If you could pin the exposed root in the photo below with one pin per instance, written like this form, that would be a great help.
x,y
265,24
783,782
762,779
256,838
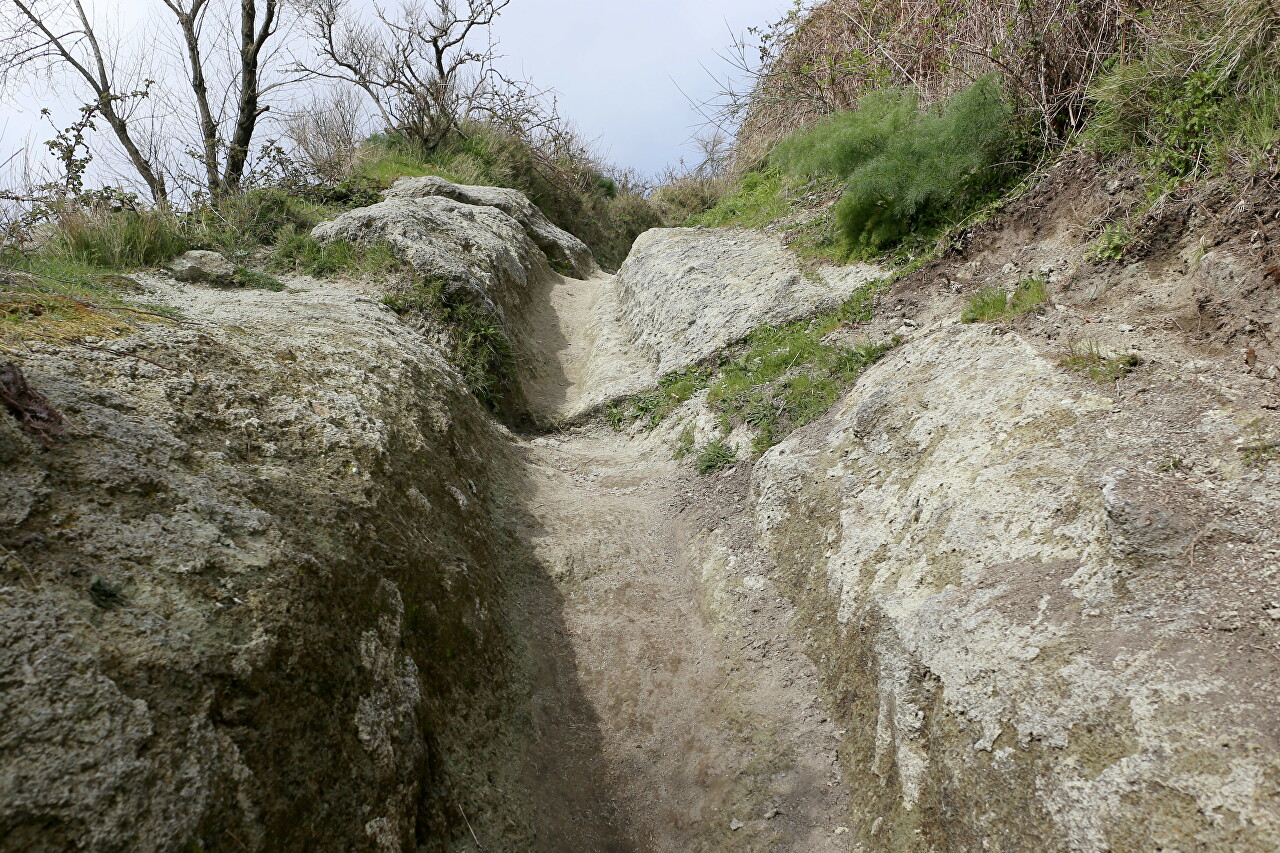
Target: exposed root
x,y
32,409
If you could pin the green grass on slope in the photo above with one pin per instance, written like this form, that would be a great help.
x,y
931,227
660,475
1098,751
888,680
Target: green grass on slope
x,y
779,379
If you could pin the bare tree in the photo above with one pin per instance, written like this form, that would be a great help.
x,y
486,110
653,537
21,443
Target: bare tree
x,y
48,35
254,34
225,64
419,68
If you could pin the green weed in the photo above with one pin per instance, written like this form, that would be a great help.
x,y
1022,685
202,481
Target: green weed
x,y
1103,369
992,303
715,456
1111,244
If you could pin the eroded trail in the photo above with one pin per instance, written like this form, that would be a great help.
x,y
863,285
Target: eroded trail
x,y
712,731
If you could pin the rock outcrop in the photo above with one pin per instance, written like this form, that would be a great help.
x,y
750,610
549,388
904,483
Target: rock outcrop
x,y
262,597
1035,639
203,267
687,293
568,255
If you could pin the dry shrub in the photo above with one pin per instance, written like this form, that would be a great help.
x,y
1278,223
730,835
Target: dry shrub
x,y
821,60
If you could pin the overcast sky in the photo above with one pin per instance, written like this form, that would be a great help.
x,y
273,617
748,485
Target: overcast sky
x,y
619,67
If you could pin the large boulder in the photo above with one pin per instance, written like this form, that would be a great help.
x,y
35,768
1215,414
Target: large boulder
x,y
685,293
1036,635
568,255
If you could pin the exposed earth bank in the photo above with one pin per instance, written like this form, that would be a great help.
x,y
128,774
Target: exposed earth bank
x,y
288,586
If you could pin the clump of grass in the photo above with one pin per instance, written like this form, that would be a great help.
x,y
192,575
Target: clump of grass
x,y
988,303
992,303
1103,369
257,280
715,456
117,239
758,199
300,252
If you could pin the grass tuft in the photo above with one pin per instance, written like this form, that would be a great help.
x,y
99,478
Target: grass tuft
x,y
1103,369
716,456
992,303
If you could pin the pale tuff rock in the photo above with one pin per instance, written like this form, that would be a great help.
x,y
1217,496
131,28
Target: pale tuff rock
x,y
205,593
988,570
477,254
203,267
685,293
567,254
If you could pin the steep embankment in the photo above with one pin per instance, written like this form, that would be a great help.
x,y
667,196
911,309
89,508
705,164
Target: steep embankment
x,y
302,591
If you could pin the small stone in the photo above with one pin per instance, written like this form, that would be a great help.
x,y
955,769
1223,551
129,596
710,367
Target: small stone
x,y
203,267
1274,613
841,830
736,824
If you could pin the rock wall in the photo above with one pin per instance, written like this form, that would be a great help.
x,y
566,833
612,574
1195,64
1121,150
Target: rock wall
x,y
265,596
1036,637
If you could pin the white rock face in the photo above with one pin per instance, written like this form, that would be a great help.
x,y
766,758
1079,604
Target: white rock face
x,y
685,293
994,578
477,253
567,253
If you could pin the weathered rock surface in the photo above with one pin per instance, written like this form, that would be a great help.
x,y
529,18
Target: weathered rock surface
x,y
266,601
478,254
1035,639
682,295
567,254
685,293
203,267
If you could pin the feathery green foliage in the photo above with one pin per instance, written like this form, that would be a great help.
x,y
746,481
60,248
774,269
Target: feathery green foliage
x,y
909,169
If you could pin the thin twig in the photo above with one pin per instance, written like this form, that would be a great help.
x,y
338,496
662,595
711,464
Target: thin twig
x,y
473,832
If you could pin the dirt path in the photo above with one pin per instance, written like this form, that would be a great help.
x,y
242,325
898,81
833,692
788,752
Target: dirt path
x,y
710,725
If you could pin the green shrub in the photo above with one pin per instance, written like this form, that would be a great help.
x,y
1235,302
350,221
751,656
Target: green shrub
x,y
716,456
908,169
